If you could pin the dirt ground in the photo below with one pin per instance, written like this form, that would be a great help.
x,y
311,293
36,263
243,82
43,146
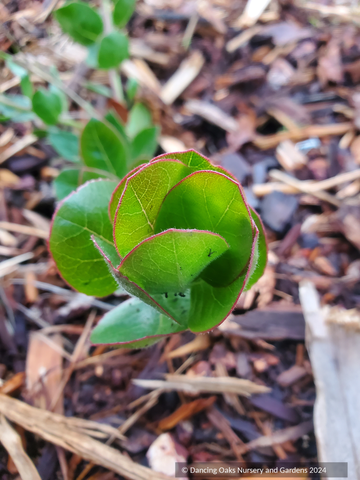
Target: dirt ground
x,y
274,97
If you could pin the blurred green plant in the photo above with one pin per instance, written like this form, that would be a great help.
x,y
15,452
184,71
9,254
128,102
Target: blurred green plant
x,y
105,148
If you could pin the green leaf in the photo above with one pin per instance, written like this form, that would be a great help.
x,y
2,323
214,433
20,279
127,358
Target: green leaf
x,y
123,11
194,161
114,48
16,108
25,83
26,86
141,201
115,198
211,201
71,178
144,144
174,306
47,106
170,261
65,144
260,253
113,118
16,69
80,21
78,217
139,119
211,305
99,88
57,91
102,148
133,320
131,88
92,56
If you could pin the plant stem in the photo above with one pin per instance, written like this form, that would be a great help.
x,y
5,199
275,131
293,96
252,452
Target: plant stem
x,y
116,85
68,122
114,75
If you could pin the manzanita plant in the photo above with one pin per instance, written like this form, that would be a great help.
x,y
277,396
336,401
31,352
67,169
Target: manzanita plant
x,y
177,234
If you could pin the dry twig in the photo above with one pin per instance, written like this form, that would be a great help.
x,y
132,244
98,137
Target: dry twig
x,y
54,429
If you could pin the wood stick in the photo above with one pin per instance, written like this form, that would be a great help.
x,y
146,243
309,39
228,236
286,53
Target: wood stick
x,y
334,181
303,186
22,143
13,445
189,69
52,428
204,384
270,141
26,230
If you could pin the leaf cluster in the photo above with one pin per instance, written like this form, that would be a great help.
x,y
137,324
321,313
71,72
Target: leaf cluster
x,y
177,234
85,25
107,149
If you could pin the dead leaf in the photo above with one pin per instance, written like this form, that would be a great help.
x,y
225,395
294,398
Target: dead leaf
x,y
13,384
186,411
44,370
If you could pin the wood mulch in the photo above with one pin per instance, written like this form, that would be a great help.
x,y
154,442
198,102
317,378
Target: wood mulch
x,y
273,97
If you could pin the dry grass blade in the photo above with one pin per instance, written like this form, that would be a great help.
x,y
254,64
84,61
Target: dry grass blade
x,y
8,266
13,82
48,8
12,443
343,11
17,227
271,141
152,401
141,72
200,342
280,436
186,73
262,189
37,220
220,422
54,429
304,187
212,114
230,398
243,38
24,142
78,351
253,11
218,385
